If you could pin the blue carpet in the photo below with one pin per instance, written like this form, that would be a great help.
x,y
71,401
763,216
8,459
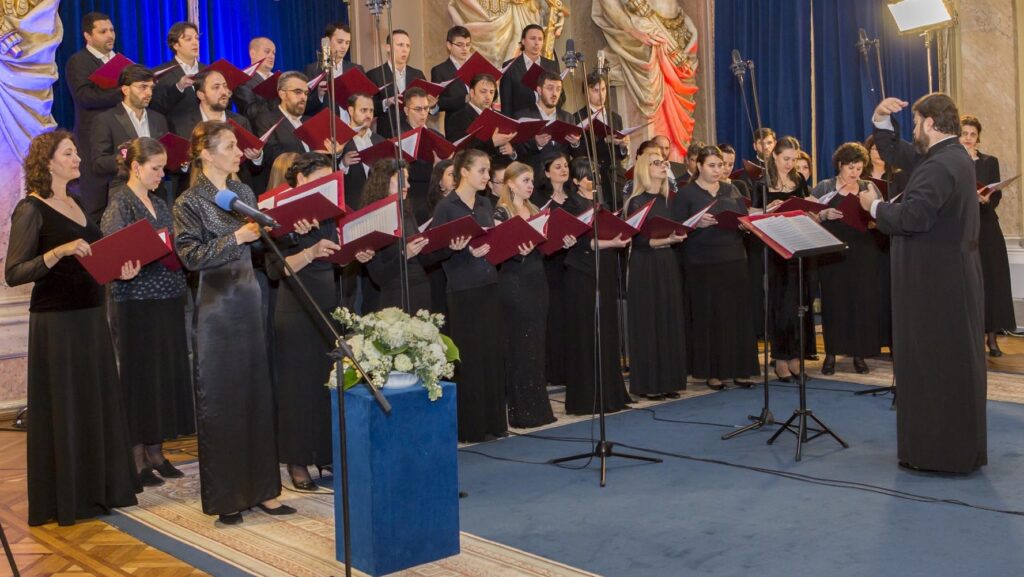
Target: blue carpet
x,y
685,517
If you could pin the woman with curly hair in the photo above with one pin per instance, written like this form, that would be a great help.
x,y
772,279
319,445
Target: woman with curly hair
x,y
79,453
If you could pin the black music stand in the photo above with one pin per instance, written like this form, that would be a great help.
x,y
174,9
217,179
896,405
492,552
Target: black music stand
x,y
796,235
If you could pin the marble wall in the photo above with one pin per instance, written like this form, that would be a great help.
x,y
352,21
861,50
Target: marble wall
x,y
13,301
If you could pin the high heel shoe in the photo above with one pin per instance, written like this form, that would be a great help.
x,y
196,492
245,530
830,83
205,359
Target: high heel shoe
x,y
860,366
829,366
168,471
276,511
995,352
306,485
148,479
780,378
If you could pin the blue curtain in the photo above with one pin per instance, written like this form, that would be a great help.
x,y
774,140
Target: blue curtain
x,y
225,31
776,34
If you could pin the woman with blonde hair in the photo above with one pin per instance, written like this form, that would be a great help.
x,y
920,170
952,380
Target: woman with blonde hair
x,y
279,171
654,285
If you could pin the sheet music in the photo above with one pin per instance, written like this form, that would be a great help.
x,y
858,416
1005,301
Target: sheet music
x,y
410,144
267,203
587,217
328,189
539,222
828,197
637,219
426,225
384,219
693,220
628,131
796,233
990,188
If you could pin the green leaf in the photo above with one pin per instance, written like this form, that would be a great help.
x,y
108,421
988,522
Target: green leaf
x,y
451,353
351,378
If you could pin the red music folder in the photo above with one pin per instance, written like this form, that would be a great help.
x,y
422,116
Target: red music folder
x,y
490,122
609,226
988,189
559,130
232,74
754,171
441,236
658,227
505,239
353,81
318,129
882,186
728,219
381,150
248,140
601,129
107,76
423,144
177,151
268,88
321,199
853,213
171,261
432,88
532,75
372,227
476,65
797,203
527,129
267,199
135,242
555,225
792,234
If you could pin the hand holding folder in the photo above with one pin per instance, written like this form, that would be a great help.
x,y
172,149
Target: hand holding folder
x,y
555,225
315,131
373,227
108,75
321,199
506,238
135,242
441,236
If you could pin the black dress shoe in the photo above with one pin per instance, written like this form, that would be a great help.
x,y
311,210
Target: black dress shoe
x,y
148,479
168,471
672,395
307,485
232,519
829,366
744,384
860,366
995,352
715,387
276,511
654,397
781,379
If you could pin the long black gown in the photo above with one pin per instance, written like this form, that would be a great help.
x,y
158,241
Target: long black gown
x,y
580,291
897,181
383,271
784,295
995,263
234,402
722,341
554,270
301,345
657,341
79,454
938,313
850,296
524,303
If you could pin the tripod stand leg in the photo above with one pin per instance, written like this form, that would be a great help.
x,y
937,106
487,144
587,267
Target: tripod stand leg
x,y
801,435
785,427
10,554
825,429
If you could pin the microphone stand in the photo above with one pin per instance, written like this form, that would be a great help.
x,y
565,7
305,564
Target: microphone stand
x,y
394,118
339,354
604,448
327,64
765,418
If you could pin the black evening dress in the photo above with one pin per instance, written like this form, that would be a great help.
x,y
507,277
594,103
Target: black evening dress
x,y
301,346
150,313
721,336
657,342
234,402
784,294
581,279
79,451
995,265
554,270
850,296
476,326
384,272
524,303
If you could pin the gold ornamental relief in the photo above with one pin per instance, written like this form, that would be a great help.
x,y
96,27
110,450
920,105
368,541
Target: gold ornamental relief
x,y
679,34
17,8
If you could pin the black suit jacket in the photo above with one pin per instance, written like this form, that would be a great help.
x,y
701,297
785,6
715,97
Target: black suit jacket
x,y
380,76
419,182
178,106
456,126
248,171
312,70
513,94
248,103
282,140
528,151
113,128
355,178
453,99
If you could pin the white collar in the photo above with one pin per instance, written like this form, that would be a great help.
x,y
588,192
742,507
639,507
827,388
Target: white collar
x,y
103,57
131,113
292,119
223,115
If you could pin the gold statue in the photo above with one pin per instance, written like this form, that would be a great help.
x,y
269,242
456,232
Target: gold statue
x,y
496,25
30,32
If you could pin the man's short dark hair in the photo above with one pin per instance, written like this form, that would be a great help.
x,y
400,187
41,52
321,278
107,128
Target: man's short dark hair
x,y
726,148
204,75
530,27
694,149
284,78
942,110
546,76
90,20
177,31
762,133
482,77
396,32
333,27
594,77
134,73
457,32
353,98
414,92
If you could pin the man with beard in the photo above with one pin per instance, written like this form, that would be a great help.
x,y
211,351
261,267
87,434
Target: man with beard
x,y
481,95
124,123
360,111
214,98
937,300
549,92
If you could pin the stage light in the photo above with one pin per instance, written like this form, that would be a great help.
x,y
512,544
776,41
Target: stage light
x,y
921,16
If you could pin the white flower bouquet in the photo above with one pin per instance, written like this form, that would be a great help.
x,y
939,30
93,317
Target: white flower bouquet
x,y
392,340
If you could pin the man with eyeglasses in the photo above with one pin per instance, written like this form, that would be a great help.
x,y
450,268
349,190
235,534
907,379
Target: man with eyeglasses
x,y
396,81
340,38
293,93
460,48
549,93
417,110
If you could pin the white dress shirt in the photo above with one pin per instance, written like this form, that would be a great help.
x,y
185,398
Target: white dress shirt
x,y
104,58
141,124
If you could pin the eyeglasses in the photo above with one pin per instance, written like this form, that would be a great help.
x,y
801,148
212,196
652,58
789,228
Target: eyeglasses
x,y
462,45
657,162
420,109
298,91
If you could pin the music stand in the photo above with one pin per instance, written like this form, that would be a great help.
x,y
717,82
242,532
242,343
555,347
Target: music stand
x,y
795,235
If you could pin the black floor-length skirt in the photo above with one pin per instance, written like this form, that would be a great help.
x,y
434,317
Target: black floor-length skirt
x,y
156,379
475,321
79,451
755,274
554,359
884,289
234,402
995,269
783,301
657,345
524,303
580,389
850,298
721,337
303,400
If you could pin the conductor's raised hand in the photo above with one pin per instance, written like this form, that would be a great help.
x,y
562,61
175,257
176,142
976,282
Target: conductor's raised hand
x,y
888,107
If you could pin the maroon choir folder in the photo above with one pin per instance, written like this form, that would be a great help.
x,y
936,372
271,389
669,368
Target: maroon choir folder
x,y
985,190
882,186
232,74
268,88
107,76
135,242
527,129
441,236
657,227
559,130
248,140
728,219
381,150
431,88
853,213
476,65
353,81
171,261
372,227
754,171
318,129
423,144
177,151
505,239
609,226
797,203
321,199
490,122
556,225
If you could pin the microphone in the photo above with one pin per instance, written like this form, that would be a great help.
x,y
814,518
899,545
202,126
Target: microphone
x,y
863,43
571,57
325,54
738,66
229,201
601,62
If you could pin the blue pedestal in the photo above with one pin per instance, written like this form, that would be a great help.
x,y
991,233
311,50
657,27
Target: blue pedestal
x,y
403,479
